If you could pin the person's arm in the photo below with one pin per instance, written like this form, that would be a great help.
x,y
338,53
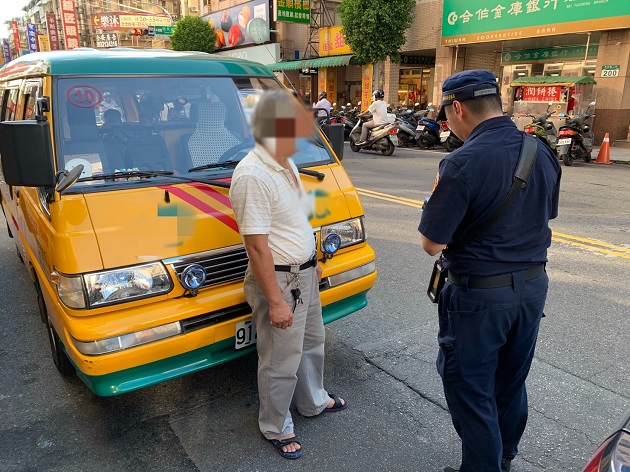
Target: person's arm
x,y
261,263
430,247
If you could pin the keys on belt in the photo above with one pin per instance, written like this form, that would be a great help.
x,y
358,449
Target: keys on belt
x,y
296,268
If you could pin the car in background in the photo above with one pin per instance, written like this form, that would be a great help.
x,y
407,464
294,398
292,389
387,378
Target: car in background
x,y
614,453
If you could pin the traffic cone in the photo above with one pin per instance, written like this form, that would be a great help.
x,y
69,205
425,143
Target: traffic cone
x,y
603,156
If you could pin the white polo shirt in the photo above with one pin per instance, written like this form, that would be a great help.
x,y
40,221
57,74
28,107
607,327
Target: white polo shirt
x,y
266,200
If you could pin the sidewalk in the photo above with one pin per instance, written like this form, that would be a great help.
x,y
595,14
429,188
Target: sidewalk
x,y
618,155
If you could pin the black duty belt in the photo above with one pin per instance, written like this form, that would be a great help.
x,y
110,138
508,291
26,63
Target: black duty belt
x,y
496,281
296,268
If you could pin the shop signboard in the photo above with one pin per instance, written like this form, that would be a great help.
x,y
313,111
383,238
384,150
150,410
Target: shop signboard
x,y
264,54
417,60
6,49
70,27
478,21
31,35
367,77
610,71
292,11
321,80
16,37
546,54
106,40
53,31
116,21
239,25
542,94
43,43
332,42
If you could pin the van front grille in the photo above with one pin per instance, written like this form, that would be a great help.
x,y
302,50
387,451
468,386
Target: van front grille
x,y
221,265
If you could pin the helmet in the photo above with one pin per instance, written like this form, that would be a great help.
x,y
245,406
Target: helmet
x,y
379,94
322,94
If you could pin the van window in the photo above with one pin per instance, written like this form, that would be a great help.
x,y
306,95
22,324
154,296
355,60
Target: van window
x,y
10,104
32,91
159,124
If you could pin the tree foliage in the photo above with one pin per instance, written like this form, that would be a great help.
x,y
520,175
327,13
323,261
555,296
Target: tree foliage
x,y
191,33
375,29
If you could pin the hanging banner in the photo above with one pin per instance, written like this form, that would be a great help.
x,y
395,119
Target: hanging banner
x,y
367,77
321,81
53,32
240,25
292,11
16,37
69,20
542,94
332,42
43,44
478,21
331,84
31,34
6,50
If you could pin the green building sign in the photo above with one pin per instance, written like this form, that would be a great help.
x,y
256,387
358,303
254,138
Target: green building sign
x,y
478,21
546,54
294,11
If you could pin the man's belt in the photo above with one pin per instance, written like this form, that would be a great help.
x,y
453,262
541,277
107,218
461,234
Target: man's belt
x,y
496,281
296,267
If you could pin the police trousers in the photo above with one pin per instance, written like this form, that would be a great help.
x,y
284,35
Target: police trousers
x,y
291,360
486,343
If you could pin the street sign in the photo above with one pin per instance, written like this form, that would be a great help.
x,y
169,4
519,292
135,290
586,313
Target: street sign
x,y
151,30
610,71
167,30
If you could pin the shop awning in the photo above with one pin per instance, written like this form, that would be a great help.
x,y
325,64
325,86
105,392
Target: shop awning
x,y
566,80
330,61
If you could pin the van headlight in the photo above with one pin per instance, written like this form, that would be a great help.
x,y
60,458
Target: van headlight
x,y
112,286
342,234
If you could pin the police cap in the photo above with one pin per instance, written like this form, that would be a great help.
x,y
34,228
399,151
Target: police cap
x,y
467,85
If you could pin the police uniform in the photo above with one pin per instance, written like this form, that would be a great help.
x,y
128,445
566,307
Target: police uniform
x,y
492,303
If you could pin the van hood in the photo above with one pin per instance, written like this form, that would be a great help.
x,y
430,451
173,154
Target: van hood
x,y
156,223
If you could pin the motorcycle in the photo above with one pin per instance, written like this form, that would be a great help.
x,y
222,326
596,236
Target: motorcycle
x,y
349,115
575,138
544,129
383,138
448,139
427,132
406,128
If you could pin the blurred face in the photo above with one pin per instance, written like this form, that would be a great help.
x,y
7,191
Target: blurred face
x,y
286,123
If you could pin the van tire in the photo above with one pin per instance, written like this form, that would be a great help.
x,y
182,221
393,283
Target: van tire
x,y
63,364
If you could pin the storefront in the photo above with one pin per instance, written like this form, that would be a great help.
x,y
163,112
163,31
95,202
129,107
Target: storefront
x,y
416,80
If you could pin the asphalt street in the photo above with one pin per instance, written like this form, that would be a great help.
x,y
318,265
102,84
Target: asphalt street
x,y
381,359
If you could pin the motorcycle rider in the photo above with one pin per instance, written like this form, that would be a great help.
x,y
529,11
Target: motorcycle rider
x,y
323,103
378,108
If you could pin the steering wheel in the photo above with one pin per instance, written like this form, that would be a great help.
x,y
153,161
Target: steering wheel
x,y
234,149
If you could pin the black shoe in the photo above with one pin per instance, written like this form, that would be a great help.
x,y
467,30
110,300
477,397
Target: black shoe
x,y
506,465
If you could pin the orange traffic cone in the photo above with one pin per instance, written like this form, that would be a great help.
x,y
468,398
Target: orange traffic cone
x,y
603,156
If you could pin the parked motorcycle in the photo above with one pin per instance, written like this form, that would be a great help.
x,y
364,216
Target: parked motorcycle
x,y
428,130
383,138
575,138
406,128
544,129
349,115
448,139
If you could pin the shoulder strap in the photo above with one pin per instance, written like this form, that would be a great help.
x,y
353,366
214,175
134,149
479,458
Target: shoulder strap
x,y
526,160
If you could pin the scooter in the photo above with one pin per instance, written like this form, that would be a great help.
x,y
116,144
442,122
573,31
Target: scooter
x,y
383,138
575,138
428,130
406,129
544,129
349,119
448,139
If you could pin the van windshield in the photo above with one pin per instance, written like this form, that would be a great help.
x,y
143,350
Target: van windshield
x,y
161,124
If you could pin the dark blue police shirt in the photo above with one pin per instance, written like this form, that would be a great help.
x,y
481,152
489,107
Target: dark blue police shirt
x,y
473,181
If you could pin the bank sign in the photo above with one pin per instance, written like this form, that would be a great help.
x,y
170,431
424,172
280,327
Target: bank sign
x,y
479,21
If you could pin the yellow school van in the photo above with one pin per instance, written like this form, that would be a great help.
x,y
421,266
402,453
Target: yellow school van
x,y
116,167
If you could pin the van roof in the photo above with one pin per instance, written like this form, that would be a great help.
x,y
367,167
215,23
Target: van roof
x,y
116,61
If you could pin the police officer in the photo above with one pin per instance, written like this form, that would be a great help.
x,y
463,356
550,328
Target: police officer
x,y
492,303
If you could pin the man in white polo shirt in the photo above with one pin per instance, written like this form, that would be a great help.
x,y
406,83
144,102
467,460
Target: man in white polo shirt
x,y
281,282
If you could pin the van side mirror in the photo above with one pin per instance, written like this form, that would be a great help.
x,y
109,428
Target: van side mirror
x,y
27,157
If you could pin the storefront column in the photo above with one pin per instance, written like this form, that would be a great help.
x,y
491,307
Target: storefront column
x,y
613,93
392,79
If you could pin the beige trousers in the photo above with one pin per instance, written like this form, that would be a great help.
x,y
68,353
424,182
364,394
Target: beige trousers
x,y
290,361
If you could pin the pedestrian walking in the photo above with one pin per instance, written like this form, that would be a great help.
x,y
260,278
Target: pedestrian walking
x,y
282,279
492,302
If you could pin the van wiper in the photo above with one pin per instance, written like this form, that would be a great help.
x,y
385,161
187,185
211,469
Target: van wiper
x,y
312,173
127,174
153,173
226,164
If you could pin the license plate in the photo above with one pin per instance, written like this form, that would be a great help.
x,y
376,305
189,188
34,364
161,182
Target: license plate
x,y
563,141
245,334
445,134
420,128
